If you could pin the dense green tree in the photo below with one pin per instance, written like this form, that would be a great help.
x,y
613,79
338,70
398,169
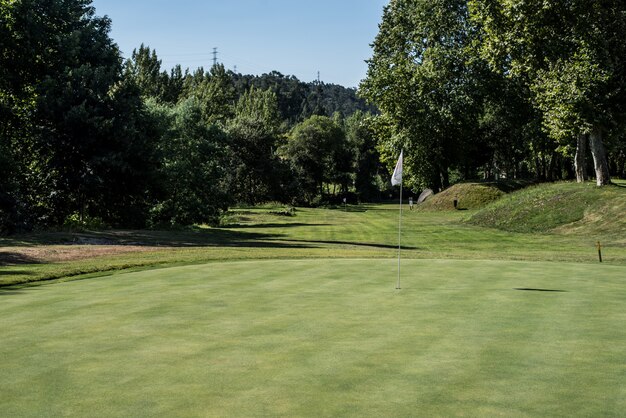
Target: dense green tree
x,y
313,150
362,143
216,93
193,175
74,111
290,92
572,55
254,133
174,83
24,37
426,83
511,128
61,65
298,100
144,67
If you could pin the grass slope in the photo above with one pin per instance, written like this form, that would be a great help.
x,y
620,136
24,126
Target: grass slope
x,y
470,195
569,206
310,338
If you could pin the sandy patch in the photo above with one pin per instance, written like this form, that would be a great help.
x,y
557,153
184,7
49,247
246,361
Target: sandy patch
x,y
53,253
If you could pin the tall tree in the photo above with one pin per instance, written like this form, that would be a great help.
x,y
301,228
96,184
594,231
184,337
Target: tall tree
x,y
61,66
193,159
74,108
425,82
144,67
366,159
254,132
312,150
216,93
572,55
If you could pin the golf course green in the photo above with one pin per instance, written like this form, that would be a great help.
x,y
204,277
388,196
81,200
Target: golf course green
x,y
320,338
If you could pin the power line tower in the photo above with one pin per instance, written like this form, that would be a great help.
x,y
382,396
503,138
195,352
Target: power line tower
x,y
214,56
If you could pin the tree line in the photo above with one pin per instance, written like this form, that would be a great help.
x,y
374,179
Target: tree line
x,y
88,137
484,88
468,88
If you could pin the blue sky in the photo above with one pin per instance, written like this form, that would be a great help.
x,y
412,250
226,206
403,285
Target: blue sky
x,y
295,37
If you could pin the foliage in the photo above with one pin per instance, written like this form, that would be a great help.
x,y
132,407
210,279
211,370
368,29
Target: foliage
x,y
362,142
298,100
75,222
570,54
491,89
427,86
254,132
315,150
193,175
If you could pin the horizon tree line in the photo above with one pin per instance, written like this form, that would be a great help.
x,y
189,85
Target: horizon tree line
x,y
463,87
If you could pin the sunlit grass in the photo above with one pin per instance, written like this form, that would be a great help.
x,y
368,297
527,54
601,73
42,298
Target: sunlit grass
x,y
365,231
311,338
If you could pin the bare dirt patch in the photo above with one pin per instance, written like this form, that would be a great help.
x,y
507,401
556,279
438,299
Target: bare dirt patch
x,y
55,253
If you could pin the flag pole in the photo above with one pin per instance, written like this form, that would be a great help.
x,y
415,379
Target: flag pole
x,y
399,236
396,179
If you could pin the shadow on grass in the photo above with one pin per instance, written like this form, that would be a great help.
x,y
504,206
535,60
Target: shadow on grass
x,y
529,289
271,225
8,292
15,272
229,236
10,258
181,238
355,209
358,244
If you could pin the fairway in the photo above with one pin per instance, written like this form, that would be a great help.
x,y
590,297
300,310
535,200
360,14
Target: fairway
x,y
320,338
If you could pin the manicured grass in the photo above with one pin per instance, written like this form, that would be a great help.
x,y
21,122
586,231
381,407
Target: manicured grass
x,y
313,338
365,231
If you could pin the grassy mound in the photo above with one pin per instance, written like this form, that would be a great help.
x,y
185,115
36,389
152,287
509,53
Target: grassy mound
x,y
470,195
566,207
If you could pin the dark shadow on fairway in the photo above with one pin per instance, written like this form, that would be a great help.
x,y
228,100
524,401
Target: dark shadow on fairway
x,y
14,272
175,238
8,258
529,289
271,225
9,292
358,244
235,236
357,209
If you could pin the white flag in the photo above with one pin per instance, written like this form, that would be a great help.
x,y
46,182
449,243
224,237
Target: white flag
x,y
396,178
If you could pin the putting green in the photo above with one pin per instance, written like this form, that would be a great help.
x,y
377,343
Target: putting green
x,y
320,338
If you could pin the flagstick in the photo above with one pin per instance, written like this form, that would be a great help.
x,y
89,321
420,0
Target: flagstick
x,y
399,235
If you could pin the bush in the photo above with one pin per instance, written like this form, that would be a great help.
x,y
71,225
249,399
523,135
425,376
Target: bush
x,y
73,222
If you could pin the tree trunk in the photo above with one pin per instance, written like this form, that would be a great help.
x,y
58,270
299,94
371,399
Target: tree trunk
x,y
599,158
580,159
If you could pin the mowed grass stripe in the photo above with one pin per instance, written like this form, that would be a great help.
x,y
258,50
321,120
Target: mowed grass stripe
x,y
320,338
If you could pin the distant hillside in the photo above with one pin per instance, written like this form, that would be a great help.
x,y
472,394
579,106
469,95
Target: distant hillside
x,y
563,207
298,100
470,195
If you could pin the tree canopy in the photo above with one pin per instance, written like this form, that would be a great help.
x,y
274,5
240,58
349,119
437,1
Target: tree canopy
x,y
468,88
